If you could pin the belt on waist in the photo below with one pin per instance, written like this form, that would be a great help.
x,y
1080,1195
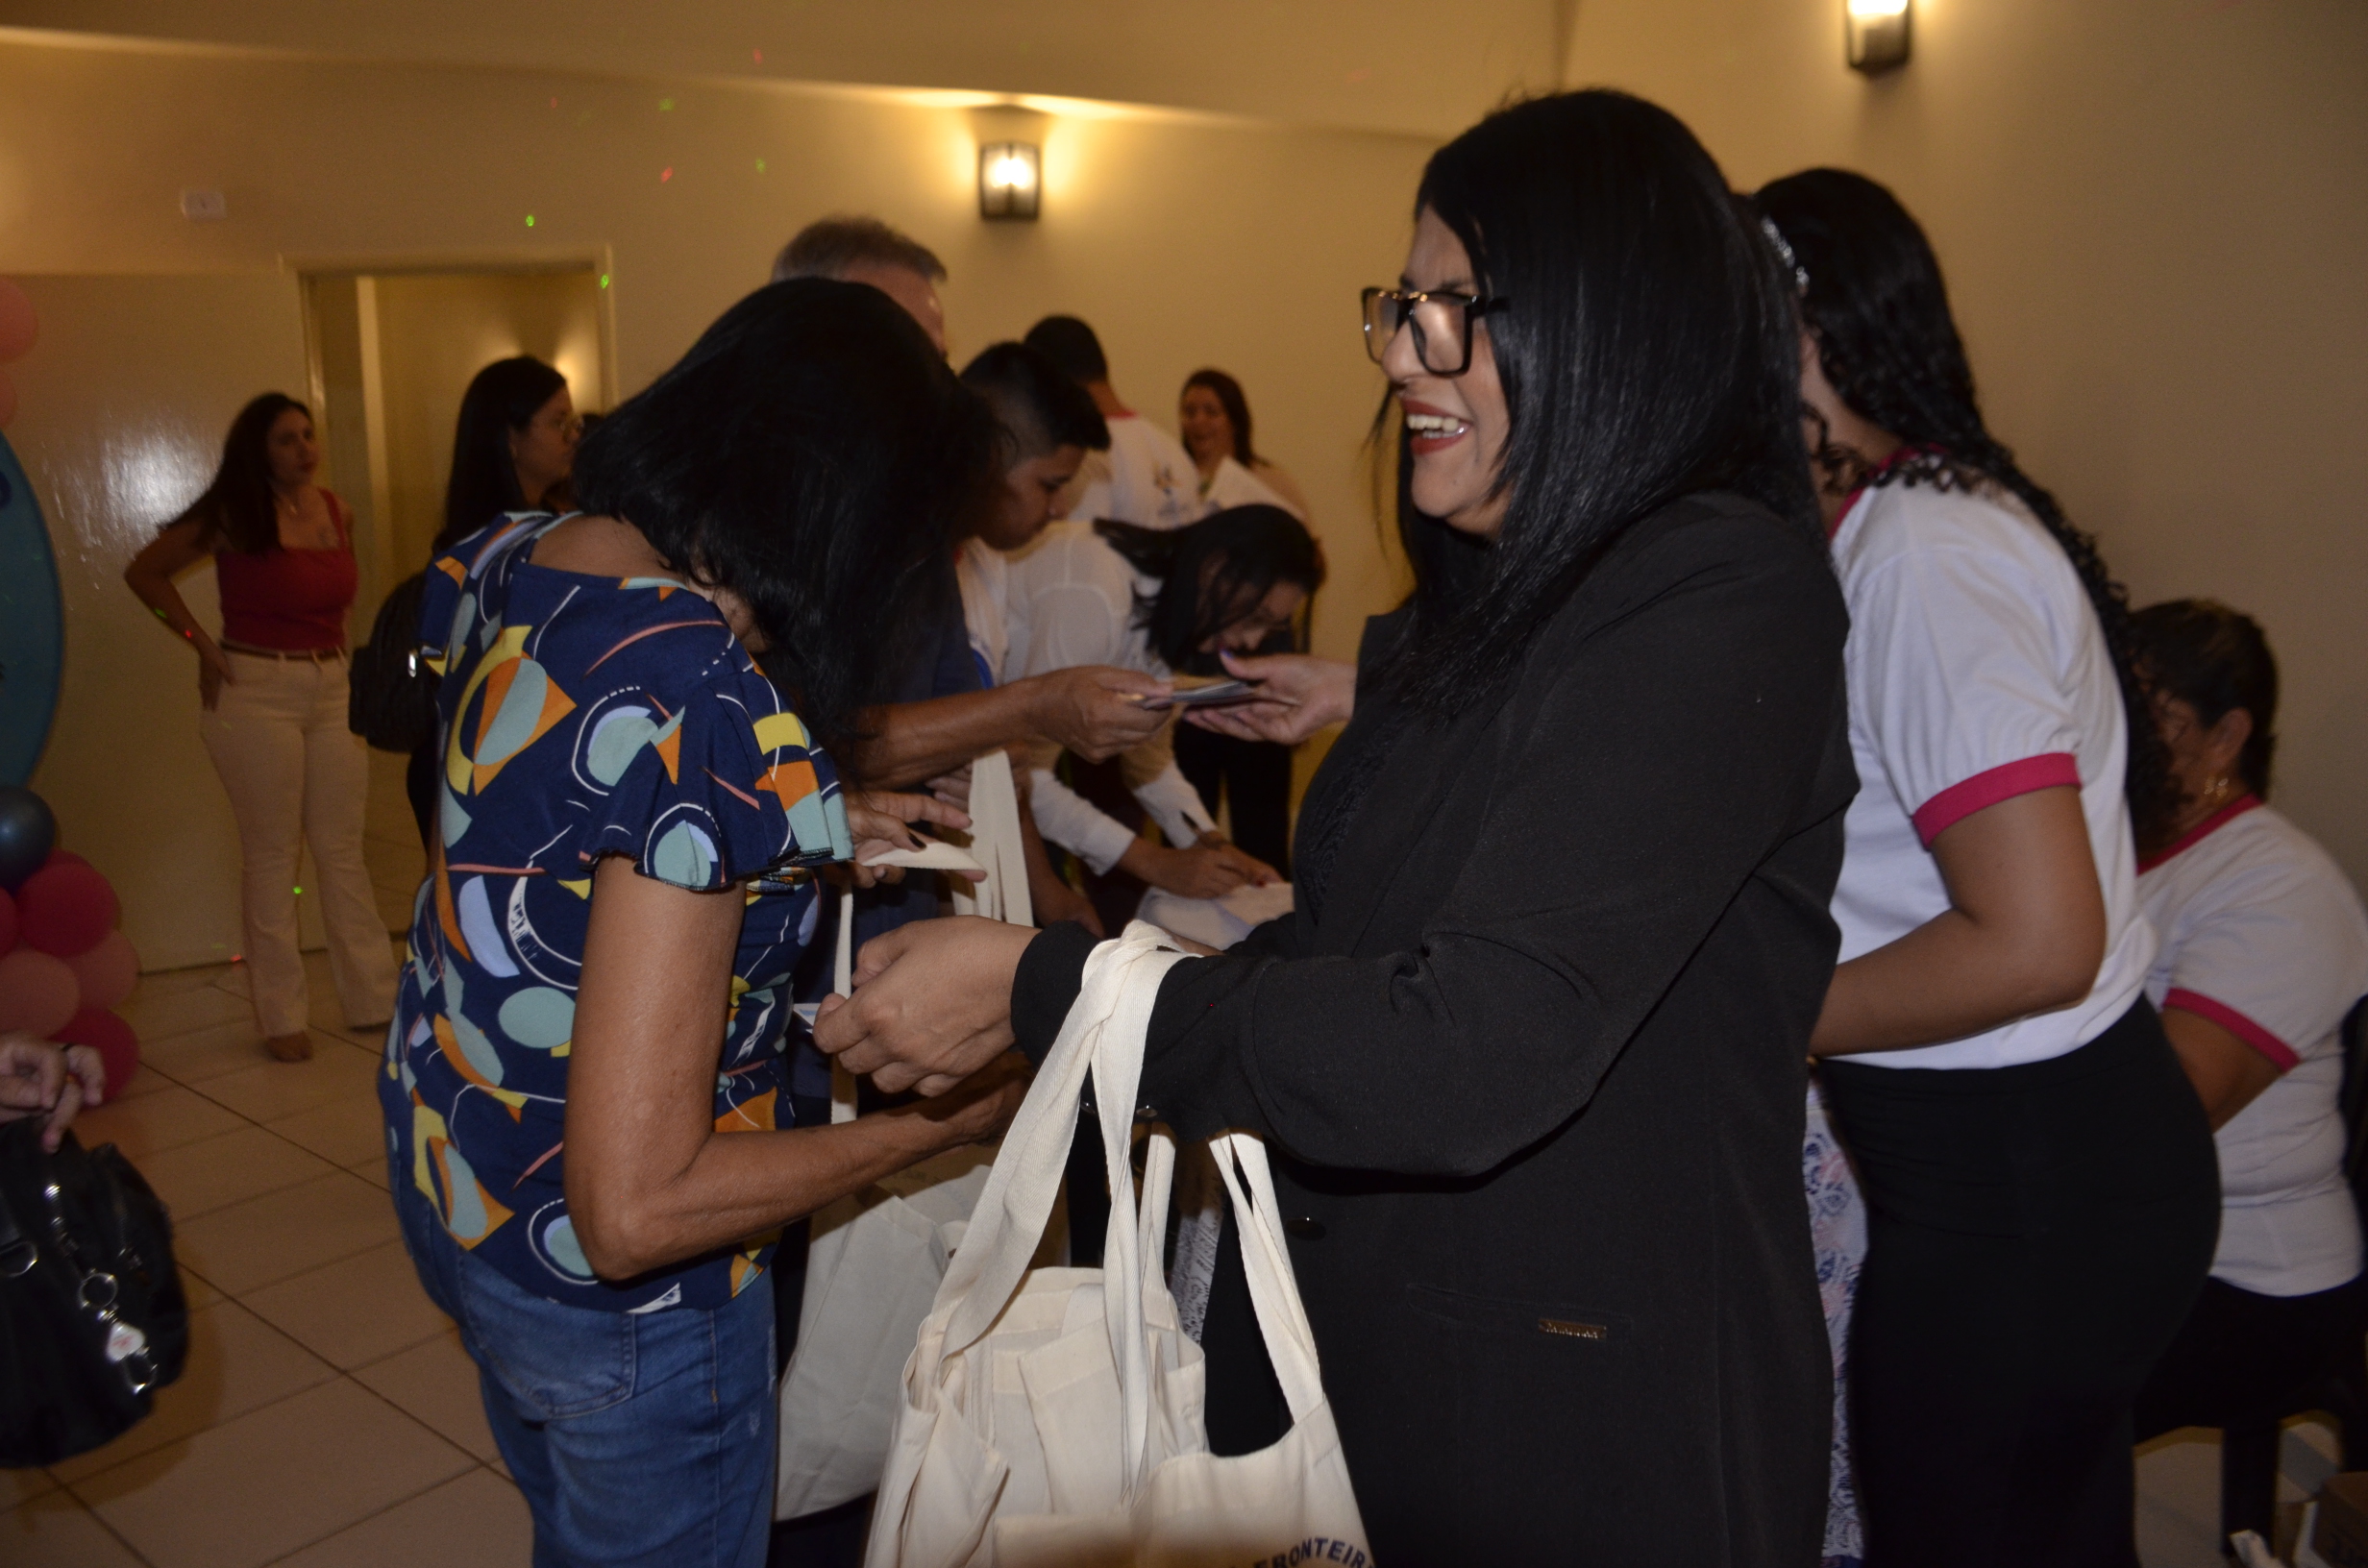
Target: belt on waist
x,y
309,656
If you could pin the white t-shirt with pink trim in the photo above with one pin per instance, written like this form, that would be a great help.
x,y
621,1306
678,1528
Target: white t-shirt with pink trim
x,y
2262,935
1977,672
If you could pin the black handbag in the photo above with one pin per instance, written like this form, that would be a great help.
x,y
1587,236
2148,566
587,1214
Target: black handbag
x,y
92,1316
391,700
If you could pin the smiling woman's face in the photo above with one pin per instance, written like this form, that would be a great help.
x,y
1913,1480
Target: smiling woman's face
x,y
1457,424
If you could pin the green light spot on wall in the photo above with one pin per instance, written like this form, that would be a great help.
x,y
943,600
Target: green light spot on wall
x,y
665,104
529,220
300,892
603,279
760,165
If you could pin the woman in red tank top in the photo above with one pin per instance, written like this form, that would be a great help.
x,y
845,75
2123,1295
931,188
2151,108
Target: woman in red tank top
x,y
273,689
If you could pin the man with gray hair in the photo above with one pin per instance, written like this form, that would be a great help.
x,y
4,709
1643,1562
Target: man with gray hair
x,y
857,249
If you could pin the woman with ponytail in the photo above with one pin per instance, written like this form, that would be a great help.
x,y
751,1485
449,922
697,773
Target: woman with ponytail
x,y
2039,1177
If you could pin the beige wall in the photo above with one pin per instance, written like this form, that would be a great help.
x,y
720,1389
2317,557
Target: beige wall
x,y
1371,65
2155,220
113,455
1186,239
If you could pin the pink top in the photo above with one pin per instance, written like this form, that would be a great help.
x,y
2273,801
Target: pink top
x,y
289,600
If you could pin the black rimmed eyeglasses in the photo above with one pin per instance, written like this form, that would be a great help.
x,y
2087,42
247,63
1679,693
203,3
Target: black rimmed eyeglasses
x,y
1440,320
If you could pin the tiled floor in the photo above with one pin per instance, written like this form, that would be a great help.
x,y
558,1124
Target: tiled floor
x,y
328,1417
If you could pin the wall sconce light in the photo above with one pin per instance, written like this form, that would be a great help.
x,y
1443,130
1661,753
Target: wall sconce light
x,y
1010,178
1878,32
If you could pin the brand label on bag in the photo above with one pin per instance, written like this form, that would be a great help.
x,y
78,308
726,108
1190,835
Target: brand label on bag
x,y
124,1341
1316,1549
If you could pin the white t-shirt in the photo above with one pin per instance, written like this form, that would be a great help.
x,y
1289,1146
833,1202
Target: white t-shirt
x,y
1977,672
1075,595
1145,477
984,575
2262,935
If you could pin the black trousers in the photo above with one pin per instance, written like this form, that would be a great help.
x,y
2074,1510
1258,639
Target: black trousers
x,y
2243,1357
1255,777
2035,1235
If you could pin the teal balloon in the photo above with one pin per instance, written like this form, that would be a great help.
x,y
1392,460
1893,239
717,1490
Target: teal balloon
x,y
31,625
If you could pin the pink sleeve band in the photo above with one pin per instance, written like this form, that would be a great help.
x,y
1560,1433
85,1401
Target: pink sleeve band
x,y
1961,800
2275,1051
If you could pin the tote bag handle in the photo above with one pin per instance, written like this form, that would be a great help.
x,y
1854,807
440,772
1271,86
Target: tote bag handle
x,y
1266,1258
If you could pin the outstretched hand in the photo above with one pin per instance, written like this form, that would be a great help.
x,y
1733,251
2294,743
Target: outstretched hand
x,y
1097,710
882,821
932,1004
1298,694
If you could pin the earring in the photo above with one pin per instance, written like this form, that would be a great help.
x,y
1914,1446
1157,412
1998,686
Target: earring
x,y
2218,791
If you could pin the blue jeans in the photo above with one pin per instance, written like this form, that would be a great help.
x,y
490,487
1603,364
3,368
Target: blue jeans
x,y
637,1439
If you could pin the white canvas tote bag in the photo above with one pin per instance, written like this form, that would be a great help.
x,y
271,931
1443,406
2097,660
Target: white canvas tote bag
x,y
1054,1415
876,1257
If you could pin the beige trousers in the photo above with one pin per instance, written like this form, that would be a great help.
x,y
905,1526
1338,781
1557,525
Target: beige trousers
x,y
296,775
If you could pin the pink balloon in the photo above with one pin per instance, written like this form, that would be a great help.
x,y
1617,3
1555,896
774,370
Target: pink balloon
x,y
106,972
18,325
37,992
118,1047
7,921
66,909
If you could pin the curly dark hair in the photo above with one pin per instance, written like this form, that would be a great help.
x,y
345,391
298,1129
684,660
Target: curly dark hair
x,y
2215,660
1879,310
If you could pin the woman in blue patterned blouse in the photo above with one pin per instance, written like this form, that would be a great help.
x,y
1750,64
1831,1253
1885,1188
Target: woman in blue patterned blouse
x,y
630,817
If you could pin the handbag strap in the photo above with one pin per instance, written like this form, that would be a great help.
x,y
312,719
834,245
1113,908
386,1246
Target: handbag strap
x,y
1266,1258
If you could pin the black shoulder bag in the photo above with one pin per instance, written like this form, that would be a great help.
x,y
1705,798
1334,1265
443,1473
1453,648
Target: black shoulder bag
x,y
92,1316
391,701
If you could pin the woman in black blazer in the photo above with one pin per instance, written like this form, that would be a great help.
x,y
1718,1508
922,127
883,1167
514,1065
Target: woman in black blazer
x,y
1530,1051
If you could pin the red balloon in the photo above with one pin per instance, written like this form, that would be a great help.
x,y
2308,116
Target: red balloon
x,y
8,398
7,921
118,1047
18,326
66,909
107,973
63,857
37,992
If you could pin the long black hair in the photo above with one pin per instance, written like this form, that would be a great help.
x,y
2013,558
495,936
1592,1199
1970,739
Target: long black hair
x,y
239,507
1647,351
814,454
1214,572
2215,660
502,399
1878,309
1229,397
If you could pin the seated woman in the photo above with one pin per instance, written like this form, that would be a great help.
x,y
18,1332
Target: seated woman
x,y
2264,951
628,818
1148,600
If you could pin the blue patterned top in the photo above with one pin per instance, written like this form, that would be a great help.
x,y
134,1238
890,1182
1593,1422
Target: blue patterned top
x,y
582,717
